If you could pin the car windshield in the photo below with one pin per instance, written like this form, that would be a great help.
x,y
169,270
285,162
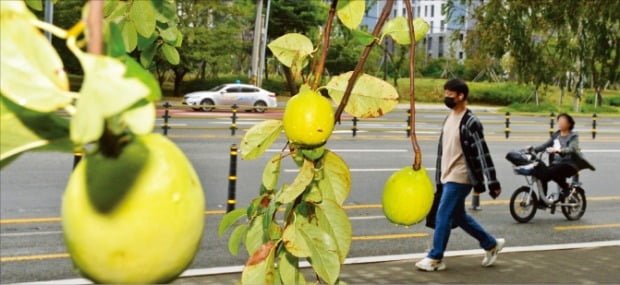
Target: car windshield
x,y
217,88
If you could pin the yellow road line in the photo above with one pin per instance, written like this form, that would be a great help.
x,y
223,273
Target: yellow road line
x,y
586,227
396,236
346,207
34,257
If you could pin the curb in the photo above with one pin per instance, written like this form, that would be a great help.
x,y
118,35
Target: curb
x,y
366,260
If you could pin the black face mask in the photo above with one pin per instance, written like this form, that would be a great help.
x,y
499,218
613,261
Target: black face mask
x,y
449,101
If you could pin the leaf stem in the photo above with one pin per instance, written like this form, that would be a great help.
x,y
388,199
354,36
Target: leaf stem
x,y
56,31
387,9
417,160
318,73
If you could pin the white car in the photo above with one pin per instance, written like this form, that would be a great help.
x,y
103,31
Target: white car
x,y
231,94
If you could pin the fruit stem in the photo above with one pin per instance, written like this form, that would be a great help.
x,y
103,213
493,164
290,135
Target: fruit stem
x,y
95,31
318,72
387,9
417,160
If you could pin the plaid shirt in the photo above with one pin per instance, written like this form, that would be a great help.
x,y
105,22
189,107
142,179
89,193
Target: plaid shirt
x,y
476,153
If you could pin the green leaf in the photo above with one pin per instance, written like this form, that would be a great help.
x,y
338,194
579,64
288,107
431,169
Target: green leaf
x,y
168,32
332,218
137,71
313,195
146,56
171,54
398,29
291,49
271,173
115,10
288,268
179,41
230,219
130,36
140,118
323,252
23,130
254,238
259,138
351,12
35,4
235,239
336,182
166,10
32,72
294,242
115,44
101,99
303,179
142,14
269,213
145,43
362,37
260,268
371,97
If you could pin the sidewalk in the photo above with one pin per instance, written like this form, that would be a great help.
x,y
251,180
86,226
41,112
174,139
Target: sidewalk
x,y
600,265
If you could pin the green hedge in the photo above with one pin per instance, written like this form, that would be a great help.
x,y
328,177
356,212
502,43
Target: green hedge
x,y
612,100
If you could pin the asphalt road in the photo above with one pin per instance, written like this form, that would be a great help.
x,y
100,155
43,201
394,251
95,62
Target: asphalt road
x,y
31,241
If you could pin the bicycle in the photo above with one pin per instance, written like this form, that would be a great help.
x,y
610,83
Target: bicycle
x,y
524,201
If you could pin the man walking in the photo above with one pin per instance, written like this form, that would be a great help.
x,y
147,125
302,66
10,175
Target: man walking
x,y
463,162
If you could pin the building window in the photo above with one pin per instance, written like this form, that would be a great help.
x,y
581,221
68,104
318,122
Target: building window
x,y
460,55
404,12
441,26
460,37
443,8
425,10
419,11
431,27
432,10
440,47
395,13
430,44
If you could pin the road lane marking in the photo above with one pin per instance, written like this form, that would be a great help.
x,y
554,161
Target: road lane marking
x,y
66,255
346,207
366,218
396,236
30,234
585,227
34,257
601,150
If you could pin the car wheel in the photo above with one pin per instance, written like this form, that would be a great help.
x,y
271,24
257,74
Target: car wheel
x,y
260,107
207,105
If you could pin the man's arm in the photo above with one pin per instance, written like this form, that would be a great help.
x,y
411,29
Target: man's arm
x,y
486,161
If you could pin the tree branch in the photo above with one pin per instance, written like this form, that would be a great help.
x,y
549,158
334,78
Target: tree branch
x,y
318,72
417,160
95,28
360,64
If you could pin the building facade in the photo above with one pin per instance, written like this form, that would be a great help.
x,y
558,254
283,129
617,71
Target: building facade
x,y
446,35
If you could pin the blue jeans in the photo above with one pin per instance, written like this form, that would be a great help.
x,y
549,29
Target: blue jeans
x,y
452,210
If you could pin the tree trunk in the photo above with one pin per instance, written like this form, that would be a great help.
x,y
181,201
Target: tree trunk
x,y
202,72
292,87
179,73
536,94
561,94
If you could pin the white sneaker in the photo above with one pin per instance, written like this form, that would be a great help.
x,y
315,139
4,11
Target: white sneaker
x,y
428,264
491,255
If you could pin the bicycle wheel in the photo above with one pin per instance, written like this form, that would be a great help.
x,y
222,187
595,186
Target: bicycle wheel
x,y
575,211
523,204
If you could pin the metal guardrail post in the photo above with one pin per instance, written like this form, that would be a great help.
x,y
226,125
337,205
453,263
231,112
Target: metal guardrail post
x,y
233,125
408,123
551,121
354,129
166,117
594,118
232,179
77,157
507,130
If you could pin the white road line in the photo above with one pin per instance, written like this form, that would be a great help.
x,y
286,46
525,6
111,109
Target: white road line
x,y
369,259
364,170
601,150
366,218
31,234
